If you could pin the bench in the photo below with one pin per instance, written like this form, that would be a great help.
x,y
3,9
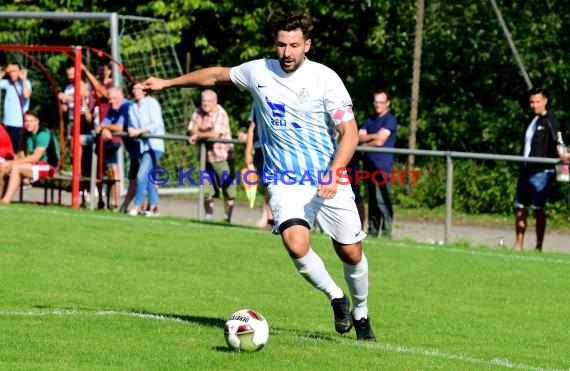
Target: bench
x,y
60,182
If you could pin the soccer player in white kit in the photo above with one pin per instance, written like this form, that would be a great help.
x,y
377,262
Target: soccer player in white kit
x,y
308,135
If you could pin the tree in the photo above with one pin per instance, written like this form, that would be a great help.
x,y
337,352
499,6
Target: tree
x,y
416,73
471,90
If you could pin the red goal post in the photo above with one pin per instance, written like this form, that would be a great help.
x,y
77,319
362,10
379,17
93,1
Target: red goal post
x,y
76,51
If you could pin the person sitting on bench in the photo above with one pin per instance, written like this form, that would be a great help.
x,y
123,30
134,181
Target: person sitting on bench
x,y
37,158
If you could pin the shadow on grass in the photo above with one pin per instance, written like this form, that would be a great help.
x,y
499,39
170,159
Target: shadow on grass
x,y
226,349
309,335
212,322
199,320
219,323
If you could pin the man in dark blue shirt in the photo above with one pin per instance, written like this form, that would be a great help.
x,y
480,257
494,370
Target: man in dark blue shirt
x,y
379,130
116,120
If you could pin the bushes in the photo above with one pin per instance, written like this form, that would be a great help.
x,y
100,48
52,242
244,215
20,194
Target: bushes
x,y
429,190
478,188
484,187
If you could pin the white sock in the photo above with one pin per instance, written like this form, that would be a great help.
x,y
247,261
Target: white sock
x,y
313,270
356,277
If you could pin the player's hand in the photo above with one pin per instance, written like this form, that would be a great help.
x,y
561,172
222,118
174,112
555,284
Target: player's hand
x,y
327,186
154,84
23,74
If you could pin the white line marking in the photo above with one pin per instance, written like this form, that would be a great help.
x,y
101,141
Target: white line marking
x,y
436,353
423,246
394,348
74,312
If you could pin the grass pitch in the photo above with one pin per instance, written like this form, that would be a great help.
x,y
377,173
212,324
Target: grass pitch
x,y
93,290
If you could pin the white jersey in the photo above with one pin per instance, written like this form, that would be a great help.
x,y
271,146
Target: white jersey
x,y
294,115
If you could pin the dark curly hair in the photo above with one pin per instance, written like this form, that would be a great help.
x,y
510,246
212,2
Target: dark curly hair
x,y
294,21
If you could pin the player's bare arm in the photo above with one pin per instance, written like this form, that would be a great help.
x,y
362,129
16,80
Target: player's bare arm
x,y
248,156
206,77
347,142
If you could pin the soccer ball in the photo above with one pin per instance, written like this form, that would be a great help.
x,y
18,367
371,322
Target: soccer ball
x,y
247,330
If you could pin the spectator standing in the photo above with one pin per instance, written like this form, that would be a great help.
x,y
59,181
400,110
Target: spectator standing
x,y
99,107
37,158
145,117
116,120
301,105
66,99
211,121
533,185
379,130
99,102
18,91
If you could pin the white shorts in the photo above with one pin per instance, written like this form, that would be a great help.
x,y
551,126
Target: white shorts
x,y
338,217
41,170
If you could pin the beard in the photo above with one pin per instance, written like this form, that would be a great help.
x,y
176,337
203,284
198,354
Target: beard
x,y
288,65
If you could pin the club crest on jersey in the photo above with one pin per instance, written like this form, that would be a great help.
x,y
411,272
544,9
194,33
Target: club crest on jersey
x,y
303,95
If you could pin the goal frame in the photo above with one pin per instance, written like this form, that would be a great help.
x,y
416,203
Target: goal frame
x,y
112,18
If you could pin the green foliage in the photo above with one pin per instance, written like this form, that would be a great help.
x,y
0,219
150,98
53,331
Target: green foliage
x,y
429,190
480,188
471,85
471,90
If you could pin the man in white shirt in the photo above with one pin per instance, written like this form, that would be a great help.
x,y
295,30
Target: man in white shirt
x,y
533,185
302,105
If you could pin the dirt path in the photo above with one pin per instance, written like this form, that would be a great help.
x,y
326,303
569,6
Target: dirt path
x,y
419,231
430,232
